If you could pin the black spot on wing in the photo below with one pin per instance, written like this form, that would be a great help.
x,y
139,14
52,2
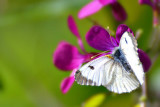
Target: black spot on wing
x,y
91,67
126,41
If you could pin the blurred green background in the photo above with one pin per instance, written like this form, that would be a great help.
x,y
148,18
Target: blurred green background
x,y
29,33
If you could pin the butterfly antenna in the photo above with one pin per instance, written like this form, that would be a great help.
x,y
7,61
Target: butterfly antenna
x,y
98,54
112,41
110,35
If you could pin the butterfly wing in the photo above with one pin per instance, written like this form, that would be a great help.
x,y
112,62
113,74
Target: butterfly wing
x,y
122,81
128,45
93,73
107,72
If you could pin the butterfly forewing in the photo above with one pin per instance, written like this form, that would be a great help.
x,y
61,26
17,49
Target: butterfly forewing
x,y
93,71
128,45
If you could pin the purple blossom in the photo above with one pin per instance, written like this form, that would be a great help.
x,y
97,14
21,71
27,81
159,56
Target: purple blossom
x,y
67,57
98,38
155,5
95,5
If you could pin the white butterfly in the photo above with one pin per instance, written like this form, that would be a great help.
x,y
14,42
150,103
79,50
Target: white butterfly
x,y
119,72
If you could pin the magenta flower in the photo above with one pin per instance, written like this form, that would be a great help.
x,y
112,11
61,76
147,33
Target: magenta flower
x,y
98,38
67,57
95,5
155,5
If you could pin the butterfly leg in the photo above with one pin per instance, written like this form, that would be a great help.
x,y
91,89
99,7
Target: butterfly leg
x,y
109,56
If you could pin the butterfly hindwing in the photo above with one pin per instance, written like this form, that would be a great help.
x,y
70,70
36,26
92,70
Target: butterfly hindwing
x,y
122,81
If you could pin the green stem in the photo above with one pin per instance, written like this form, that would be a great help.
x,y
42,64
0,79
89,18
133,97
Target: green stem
x,y
144,93
154,51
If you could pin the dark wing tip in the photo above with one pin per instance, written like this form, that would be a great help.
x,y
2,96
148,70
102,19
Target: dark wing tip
x,y
77,75
83,80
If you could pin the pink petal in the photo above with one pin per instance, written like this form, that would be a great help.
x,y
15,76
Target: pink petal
x,y
66,57
66,84
120,30
73,28
100,39
144,58
90,9
107,2
118,12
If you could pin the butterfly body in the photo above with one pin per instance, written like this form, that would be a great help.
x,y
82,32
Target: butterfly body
x,y
119,72
118,56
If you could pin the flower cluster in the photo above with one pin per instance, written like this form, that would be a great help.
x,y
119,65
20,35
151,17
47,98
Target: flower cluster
x,y
67,57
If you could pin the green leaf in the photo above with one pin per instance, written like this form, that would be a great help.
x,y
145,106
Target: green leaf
x,y
95,100
137,105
